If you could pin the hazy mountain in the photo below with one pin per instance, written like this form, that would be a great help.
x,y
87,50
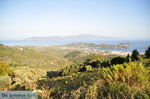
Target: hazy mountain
x,y
76,37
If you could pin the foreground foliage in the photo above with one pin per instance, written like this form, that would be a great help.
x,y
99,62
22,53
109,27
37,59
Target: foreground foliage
x,y
5,69
128,80
6,73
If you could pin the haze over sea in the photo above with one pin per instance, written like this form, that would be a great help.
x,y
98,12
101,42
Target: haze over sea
x,y
140,45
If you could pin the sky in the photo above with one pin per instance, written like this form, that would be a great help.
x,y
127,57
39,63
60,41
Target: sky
x,y
21,19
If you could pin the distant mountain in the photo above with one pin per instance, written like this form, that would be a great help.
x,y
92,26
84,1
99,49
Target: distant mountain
x,y
81,37
44,38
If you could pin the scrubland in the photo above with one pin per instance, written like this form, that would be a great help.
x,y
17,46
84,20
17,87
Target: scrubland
x,y
73,74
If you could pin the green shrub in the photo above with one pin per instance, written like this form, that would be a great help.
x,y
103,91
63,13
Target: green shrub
x,y
133,73
98,61
74,69
115,90
117,60
71,69
146,62
52,74
118,90
88,68
122,81
5,69
105,64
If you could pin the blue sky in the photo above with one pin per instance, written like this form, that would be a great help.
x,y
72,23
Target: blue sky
x,y
122,18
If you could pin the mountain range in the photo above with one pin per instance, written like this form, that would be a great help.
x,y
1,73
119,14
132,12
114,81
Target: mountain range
x,y
75,37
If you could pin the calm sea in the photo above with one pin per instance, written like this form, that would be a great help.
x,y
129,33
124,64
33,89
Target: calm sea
x,y
140,45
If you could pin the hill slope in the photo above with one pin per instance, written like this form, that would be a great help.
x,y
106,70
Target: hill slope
x,y
24,56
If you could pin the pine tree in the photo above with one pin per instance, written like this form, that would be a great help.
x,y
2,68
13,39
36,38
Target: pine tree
x,y
147,52
128,58
135,55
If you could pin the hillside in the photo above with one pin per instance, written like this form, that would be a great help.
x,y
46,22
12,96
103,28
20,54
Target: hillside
x,y
99,77
28,65
114,82
57,73
100,46
25,56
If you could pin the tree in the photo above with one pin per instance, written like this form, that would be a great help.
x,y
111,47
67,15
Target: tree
x,y
117,60
147,52
95,61
135,55
105,64
128,58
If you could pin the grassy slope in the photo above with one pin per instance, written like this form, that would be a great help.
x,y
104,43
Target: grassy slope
x,y
69,54
72,55
30,65
24,56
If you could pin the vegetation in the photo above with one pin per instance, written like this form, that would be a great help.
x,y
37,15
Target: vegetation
x,y
128,80
72,54
128,58
5,69
117,60
135,55
76,56
5,74
99,60
5,81
147,53
77,76
18,56
102,46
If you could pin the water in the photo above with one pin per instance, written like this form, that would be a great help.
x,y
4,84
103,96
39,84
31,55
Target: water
x,y
140,45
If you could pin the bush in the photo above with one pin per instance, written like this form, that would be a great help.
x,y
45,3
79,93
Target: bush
x,y
97,61
100,60
88,68
74,69
105,64
5,81
71,69
52,74
117,60
121,81
93,63
5,70
146,62
117,90
133,73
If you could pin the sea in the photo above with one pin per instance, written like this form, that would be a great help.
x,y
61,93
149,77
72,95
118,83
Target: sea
x,y
140,45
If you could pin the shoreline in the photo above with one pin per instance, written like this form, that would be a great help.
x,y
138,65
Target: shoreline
x,y
85,50
98,51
